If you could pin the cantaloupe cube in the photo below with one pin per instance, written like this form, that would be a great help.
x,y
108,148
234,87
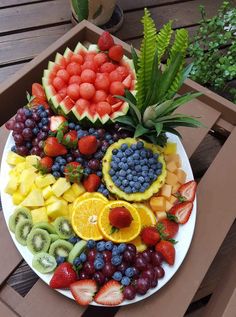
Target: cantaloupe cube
x,y
60,186
34,199
168,205
166,190
47,192
32,159
158,203
17,197
78,189
69,195
57,209
171,166
181,175
170,148
161,215
27,179
39,214
42,181
175,188
174,157
51,200
171,178
12,185
14,159
172,199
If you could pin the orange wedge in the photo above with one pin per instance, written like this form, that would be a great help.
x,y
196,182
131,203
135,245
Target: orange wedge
x,y
146,215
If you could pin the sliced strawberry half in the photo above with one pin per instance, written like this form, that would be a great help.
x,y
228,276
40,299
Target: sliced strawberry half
x,y
188,190
182,211
83,291
110,294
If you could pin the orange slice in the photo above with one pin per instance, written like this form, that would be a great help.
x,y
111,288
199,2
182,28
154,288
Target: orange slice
x,y
124,234
146,215
88,195
85,216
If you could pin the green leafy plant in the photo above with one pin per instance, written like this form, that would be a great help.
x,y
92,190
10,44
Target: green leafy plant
x,y
80,8
213,50
150,114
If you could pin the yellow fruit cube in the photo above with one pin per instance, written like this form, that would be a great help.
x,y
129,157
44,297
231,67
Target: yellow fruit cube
x,y
161,215
32,159
175,188
44,180
181,176
47,192
140,246
27,178
51,200
57,209
69,195
78,189
171,166
12,185
158,203
39,214
172,199
168,205
17,198
170,148
34,199
174,157
60,186
70,210
166,190
14,159
171,178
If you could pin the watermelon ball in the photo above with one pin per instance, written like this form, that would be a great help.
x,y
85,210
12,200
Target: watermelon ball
x,y
115,76
89,65
107,67
73,91
88,76
102,82
123,71
81,105
117,88
73,69
87,91
58,83
103,108
100,95
63,92
100,59
89,56
77,58
75,79
62,73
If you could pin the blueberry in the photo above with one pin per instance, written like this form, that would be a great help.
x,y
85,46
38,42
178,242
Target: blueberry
x,y
91,244
91,130
140,145
129,272
131,183
99,173
135,178
117,276
40,125
125,167
83,257
87,171
99,264
77,127
151,161
115,250
137,186
129,177
159,165
41,108
56,174
138,168
69,159
43,114
119,154
121,247
158,171
80,134
35,131
114,165
128,190
60,259
130,161
118,182
136,156
124,159
122,173
28,113
98,155
124,147
142,189
62,161
62,168
13,148
116,260
125,281
115,151
109,245
128,152
79,159
101,246
104,148
73,239
77,261
145,168
71,125
133,147
141,179
105,192
125,182
108,137
120,165
45,121
99,256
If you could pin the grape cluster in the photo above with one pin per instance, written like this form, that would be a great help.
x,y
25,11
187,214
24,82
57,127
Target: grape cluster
x,y
30,128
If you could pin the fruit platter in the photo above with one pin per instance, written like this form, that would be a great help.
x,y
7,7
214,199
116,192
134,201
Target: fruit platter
x,y
97,190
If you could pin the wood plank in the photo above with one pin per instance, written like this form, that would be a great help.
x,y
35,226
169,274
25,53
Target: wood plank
x,y
25,46
231,306
11,3
8,71
34,15
5,311
139,4
204,245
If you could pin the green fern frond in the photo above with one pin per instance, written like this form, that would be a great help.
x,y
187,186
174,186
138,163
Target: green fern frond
x,y
146,58
163,40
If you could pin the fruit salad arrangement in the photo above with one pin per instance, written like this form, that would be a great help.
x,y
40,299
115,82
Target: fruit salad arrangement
x,y
100,192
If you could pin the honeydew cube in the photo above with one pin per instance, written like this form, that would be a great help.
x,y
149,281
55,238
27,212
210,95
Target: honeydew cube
x,y
69,195
78,189
168,205
44,180
39,214
172,199
175,188
12,185
161,215
34,199
14,159
170,148
60,187
158,203
171,178
47,192
181,176
27,179
166,190
51,200
171,166
32,159
57,209
17,198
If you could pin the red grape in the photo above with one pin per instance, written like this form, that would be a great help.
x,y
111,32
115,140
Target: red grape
x,y
91,255
159,271
129,256
83,275
107,255
22,150
129,292
157,258
35,117
20,118
10,124
18,138
35,150
136,271
143,285
21,111
99,278
18,127
27,134
154,283
29,123
89,268
140,263
93,164
131,247
149,274
122,267
147,255
108,269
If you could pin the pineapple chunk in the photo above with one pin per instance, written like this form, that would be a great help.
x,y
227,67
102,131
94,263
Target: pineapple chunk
x,y
32,159
174,157
51,200
14,159
44,180
166,190
173,200
26,181
57,209
60,186
34,199
158,203
161,215
70,210
171,166
168,205
171,178
17,198
39,214
78,189
170,148
181,176
12,185
47,192
69,195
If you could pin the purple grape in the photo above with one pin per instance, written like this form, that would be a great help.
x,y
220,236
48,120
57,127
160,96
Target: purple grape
x,y
22,150
42,135
41,144
159,271
136,271
147,255
149,274
83,275
18,127
91,255
122,267
10,124
18,138
154,283
129,256
107,255
157,258
116,136
42,154
131,247
35,150
99,278
108,270
45,128
20,118
140,263
94,164
76,153
129,292
100,133
142,286
27,134
21,111
105,143
117,126
29,123
35,117
89,268
35,142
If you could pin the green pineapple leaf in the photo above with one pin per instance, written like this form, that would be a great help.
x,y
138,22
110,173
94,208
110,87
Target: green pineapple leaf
x,y
163,40
135,113
126,120
140,130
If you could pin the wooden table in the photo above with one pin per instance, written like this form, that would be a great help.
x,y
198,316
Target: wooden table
x,y
26,30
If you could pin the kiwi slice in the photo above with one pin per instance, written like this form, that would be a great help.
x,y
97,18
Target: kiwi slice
x,y
23,229
45,226
60,248
20,213
78,248
44,262
54,237
38,241
63,227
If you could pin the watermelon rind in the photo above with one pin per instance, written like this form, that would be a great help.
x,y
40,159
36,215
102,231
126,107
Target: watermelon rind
x,y
68,53
80,47
93,48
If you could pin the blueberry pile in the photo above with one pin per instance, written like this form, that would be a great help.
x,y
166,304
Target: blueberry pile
x,y
134,168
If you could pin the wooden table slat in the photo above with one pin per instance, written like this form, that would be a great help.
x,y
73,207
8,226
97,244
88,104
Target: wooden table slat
x,y
140,4
12,3
6,311
7,72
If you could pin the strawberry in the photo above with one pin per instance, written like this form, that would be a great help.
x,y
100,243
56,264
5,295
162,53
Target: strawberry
x,y
73,172
150,236
182,211
167,249
38,91
188,190
88,145
105,41
91,183
52,147
58,123
116,53
110,294
35,102
44,165
83,291
70,139
63,276
167,229
120,217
